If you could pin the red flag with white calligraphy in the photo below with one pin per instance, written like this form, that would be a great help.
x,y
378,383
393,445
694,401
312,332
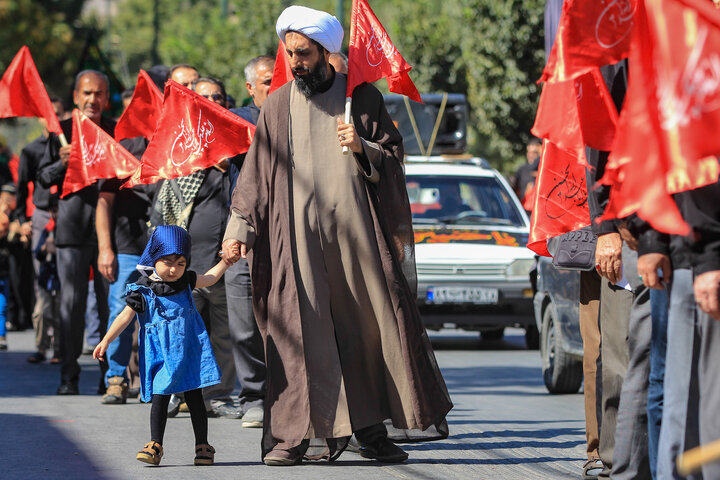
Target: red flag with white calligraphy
x,y
667,140
560,197
590,34
140,117
373,56
94,155
193,133
282,72
22,93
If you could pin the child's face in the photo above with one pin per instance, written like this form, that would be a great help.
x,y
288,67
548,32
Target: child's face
x,y
170,267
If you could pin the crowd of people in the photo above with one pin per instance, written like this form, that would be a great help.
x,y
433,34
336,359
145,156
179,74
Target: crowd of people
x,y
329,354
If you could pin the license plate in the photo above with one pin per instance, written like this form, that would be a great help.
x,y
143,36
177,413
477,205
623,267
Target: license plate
x,y
473,295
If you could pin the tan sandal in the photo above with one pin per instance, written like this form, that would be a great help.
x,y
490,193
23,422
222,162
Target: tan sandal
x,y
151,453
204,454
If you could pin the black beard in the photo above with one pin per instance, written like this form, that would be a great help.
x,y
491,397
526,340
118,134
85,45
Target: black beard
x,y
310,82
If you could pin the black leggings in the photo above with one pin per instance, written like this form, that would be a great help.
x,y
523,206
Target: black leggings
x,y
198,414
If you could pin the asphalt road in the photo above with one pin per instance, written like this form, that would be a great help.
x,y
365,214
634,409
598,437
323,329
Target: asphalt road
x,y
504,426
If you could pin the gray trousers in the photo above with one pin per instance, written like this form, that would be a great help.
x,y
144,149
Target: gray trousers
x,y
73,264
630,456
679,429
248,348
47,306
211,302
709,382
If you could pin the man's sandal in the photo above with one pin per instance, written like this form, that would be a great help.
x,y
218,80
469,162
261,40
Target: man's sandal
x,y
151,453
204,454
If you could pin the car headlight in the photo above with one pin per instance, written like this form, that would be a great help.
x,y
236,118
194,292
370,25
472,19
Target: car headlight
x,y
520,268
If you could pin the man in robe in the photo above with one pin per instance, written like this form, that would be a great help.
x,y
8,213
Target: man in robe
x,y
330,244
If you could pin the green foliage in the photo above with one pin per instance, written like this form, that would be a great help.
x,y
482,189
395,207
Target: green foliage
x,y
52,32
503,50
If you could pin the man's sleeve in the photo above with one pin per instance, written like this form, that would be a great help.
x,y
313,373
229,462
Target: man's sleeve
x,y
25,175
51,171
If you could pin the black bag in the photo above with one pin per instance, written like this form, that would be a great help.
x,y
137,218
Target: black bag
x,y
576,250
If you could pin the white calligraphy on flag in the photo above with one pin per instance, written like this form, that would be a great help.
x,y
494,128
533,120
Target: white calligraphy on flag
x,y
191,141
616,18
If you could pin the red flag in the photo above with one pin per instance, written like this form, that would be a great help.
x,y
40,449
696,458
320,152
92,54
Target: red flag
x,y
561,197
667,138
193,133
94,154
575,113
373,56
22,93
590,34
282,73
140,118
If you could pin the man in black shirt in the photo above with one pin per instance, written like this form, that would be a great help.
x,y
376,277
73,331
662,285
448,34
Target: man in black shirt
x,y
43,315
75,233
121,224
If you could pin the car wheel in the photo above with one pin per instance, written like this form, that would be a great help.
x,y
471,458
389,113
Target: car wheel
x,y
532,337
495,334
561,372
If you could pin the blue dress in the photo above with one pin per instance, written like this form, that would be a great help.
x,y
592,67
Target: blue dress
x,y
174,346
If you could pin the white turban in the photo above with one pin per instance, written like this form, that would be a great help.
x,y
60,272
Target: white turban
x,y
314,24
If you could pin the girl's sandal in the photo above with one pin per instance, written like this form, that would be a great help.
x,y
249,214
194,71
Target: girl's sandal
x,y
151,453
204,454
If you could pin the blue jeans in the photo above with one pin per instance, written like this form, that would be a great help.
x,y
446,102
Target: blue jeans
x,y
4,293
118,353
658,346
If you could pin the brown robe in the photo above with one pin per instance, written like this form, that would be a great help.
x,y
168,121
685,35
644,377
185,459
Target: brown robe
x,y
330,242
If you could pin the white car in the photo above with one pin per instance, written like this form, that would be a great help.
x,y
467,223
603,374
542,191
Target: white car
x,y
471,233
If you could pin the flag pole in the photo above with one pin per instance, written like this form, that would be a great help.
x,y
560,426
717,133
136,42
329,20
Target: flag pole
x,y
63,140
348,104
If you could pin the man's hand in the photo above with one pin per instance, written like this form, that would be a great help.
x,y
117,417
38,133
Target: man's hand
x,y
628,237
648,266
65,155
233,250
106,264
608,256
348,136
707,289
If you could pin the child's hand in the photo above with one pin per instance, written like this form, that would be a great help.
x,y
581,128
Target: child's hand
x,y
100,349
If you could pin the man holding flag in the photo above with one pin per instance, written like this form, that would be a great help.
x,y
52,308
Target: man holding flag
x,y
330,238
75,236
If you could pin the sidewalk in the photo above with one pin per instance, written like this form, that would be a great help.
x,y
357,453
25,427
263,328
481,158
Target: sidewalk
x,y
503,426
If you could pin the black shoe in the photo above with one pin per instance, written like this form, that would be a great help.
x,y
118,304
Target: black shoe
x,y
383,450
68,389
225,411
174,406
37,357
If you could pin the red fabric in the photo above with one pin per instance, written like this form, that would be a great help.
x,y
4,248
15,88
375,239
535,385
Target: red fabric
x,y
282,72
140,118
22,93
668,127
575,113
50,225
193,133
561,197
590,34
373,56
93,155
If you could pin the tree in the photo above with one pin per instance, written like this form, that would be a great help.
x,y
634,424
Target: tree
x,y
503,50
53,34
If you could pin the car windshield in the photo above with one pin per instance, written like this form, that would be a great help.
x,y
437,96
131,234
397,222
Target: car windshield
x,y
461,200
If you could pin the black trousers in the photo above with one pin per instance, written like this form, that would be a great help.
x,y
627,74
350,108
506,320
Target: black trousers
x,y
73,264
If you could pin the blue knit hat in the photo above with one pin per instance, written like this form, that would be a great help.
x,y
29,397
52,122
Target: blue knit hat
x,y
165,240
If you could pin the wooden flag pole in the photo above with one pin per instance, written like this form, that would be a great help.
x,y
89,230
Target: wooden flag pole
x,y
63,140
348,104
691,461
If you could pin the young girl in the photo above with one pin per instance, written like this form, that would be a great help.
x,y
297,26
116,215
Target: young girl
x,y
175,351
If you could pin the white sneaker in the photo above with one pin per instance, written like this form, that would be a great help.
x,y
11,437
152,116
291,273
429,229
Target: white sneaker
x,y
253,418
